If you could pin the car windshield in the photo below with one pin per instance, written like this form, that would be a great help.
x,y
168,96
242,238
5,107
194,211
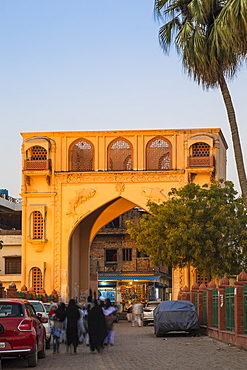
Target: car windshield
x,y
47,307
38,306
11,310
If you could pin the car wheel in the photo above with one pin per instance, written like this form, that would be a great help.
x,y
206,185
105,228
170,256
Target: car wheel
x,y
41,354
33,358
48,343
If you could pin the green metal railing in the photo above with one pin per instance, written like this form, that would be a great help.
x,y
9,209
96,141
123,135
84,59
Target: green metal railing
x,y
245,307
196,302
204,307
215,308
230,308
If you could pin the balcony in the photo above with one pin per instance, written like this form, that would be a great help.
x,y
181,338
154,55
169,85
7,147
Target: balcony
x,y
197,162
37,165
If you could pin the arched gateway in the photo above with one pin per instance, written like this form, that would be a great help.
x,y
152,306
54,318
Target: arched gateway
x,y
73,183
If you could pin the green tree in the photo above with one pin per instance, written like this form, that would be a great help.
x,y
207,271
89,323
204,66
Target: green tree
x,y
211,37
204,227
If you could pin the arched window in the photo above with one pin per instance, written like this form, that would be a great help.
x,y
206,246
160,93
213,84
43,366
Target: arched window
x,y
82,156
38,153
37,225
200,150
36,276
158,154
120,155
199,155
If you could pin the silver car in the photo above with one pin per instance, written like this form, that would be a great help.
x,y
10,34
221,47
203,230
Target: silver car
x,y
40,308
148,312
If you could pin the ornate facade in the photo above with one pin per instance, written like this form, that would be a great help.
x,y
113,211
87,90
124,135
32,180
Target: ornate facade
x,y
73,183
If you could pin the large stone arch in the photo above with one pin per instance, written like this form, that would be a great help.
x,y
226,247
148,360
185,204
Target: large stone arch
x,y
81,239
76,204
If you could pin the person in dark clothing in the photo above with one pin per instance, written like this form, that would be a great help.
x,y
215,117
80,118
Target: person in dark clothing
x,y
72,315
97,328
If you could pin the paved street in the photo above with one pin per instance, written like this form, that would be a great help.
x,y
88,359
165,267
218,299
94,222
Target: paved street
x,y
138,348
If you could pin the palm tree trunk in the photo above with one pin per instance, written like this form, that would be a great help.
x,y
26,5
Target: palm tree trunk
x,y
235,137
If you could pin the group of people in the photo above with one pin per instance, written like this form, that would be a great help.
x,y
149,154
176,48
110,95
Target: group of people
x,y
93,322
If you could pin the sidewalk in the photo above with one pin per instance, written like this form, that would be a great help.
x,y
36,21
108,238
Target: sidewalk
x,y
138,348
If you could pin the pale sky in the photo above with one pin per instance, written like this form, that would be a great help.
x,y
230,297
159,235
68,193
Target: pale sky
x,y
69,65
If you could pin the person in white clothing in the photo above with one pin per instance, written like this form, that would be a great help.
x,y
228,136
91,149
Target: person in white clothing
x,y
137,311
110,313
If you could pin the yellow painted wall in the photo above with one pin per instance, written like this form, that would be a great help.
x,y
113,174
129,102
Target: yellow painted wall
x,y
75,205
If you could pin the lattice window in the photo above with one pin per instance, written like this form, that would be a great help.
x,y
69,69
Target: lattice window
x,y
38,225
82,156
165,162
158,154
38,153
37,279
12,265
200,150
201,279
120,155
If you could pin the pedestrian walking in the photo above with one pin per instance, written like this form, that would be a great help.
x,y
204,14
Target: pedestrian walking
x,y
81,328
72,315
137,312
110,313
96,328
87,308
57,329
129,312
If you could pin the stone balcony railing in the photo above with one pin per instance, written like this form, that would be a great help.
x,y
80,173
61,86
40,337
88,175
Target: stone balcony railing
x,y
37,165
200,161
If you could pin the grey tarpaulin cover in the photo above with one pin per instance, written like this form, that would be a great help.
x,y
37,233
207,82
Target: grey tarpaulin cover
x,y
175,316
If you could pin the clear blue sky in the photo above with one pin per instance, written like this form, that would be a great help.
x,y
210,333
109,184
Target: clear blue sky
x,y
96,65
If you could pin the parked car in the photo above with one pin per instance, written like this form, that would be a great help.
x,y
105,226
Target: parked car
x,y
22,333
47,307
40,308
148,312
175,316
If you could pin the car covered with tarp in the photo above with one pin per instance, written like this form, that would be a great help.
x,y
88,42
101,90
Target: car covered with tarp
x,y
175,316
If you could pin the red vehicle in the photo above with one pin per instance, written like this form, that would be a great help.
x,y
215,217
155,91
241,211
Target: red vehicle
x,y
21,331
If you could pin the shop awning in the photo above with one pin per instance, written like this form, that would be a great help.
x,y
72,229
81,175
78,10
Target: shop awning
x,y
129,278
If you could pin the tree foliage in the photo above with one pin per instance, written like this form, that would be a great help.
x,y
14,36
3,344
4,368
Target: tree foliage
x,y
204,227
211,38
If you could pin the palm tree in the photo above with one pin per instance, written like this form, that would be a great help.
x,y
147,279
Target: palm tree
x,y
211,37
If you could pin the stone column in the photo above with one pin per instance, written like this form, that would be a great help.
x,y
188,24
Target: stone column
x,y
12,291
193,293
202,289
211,286
239,303
185,294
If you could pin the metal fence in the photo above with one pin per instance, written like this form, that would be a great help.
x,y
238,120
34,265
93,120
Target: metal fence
x,y
215,308
230,308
